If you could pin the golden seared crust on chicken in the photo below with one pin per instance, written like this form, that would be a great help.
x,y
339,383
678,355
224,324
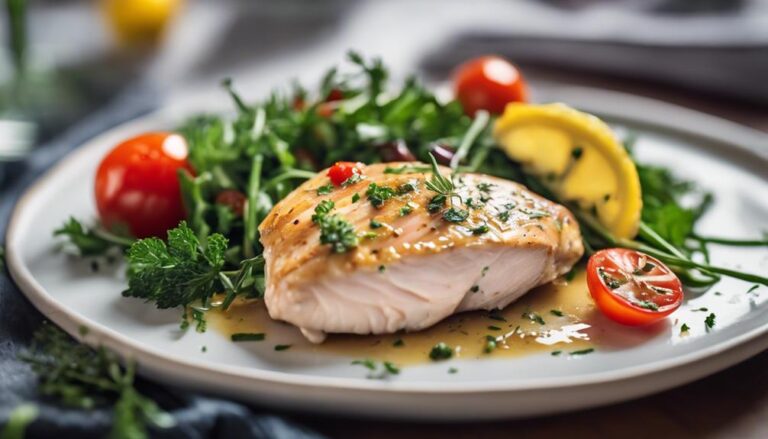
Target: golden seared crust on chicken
x,y
418,258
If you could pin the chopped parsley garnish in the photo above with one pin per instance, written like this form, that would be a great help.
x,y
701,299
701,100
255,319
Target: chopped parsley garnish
x,y
702,309
322,209
753,288
334,230
503,215
382,269
490,344
645,304
577,152
282,347
377,195
406,188
406,210
391,368
556,312
436,203
248,336
556,353
684,328
610,281
452,370
532,316
484,187
366,363
454,215
440,351
387,368
709,322
481,229
356,197
495,314
583,351
494,328
325,189
375,224
352,180
475,288
398,343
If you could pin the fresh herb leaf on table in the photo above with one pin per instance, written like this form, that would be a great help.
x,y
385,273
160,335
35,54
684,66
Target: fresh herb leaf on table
x,y
82,377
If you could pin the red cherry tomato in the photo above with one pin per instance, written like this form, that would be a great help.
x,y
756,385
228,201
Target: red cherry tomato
x,y
631,287
334,95
343,171
233,199
137,185
489,83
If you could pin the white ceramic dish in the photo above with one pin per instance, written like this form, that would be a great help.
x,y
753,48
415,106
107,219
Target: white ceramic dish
x,y
730,160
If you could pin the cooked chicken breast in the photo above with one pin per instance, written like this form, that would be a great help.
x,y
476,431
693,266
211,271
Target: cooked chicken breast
x,y
411,268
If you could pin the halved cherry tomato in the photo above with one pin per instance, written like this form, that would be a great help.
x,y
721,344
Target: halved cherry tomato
x,y
233,199
343,171
137,185
489,83
631,287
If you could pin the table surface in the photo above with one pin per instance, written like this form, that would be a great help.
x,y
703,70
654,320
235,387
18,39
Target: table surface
x,y
729,404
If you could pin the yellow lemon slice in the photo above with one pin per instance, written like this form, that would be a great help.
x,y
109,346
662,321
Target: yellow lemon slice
x,y
578,157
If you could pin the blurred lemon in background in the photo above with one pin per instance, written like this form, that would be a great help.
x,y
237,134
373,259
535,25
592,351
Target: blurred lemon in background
x,y
140,23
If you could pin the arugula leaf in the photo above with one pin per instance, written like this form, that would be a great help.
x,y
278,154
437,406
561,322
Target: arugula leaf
x,y
87,241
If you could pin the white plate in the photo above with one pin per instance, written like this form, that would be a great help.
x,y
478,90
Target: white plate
x,y
730,160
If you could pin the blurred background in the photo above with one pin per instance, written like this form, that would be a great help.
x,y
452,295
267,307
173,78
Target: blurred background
x,y
63,62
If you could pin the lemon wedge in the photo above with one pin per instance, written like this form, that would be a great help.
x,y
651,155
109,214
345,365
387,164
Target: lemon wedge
x,y
578,157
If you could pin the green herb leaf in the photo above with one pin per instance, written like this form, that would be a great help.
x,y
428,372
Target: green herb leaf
x,y
377,195
454,215
248,336
440,351
325,189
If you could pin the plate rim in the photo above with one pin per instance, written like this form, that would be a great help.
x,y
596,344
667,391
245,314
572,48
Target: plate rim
x,y
150,361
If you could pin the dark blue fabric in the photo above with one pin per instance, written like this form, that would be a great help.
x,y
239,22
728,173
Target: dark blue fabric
x,y
196,416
